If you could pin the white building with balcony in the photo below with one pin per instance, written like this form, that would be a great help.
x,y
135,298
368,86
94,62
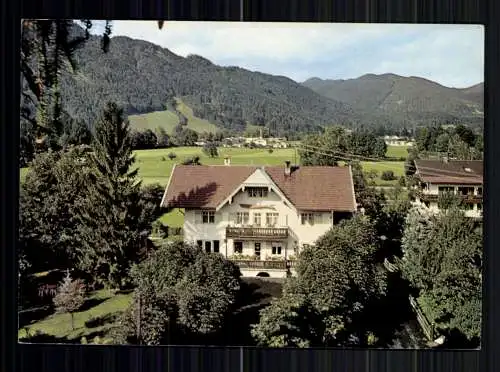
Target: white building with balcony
x,y
463,178
261,217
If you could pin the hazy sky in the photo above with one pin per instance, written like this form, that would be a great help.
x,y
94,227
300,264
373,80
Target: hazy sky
x,y
452,55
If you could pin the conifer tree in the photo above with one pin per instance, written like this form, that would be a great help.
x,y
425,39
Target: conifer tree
x,y
114,224
70,296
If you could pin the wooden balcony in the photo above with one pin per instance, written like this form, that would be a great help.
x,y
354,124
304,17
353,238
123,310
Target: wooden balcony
x,y
264,264
256,232
473,199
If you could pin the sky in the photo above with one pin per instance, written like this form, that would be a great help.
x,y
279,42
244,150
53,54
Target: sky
x,y
452,55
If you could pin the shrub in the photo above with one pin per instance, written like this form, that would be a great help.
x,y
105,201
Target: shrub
x,y
171,156
388,176
270,150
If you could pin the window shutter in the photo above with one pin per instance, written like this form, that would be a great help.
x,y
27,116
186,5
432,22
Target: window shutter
x,y
198,217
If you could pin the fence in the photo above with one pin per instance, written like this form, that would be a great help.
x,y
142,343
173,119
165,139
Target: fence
x,y
427,327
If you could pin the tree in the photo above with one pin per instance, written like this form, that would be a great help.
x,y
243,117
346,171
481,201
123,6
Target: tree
x,y
210,149
179,289
387,176
70,296
338,277
112,226
50,196
442,260
442,142
163,139
206,293
47,49
379,148
324,149
466,134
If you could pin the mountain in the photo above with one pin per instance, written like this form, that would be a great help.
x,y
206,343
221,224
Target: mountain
x,y
397,98
159,88
143,78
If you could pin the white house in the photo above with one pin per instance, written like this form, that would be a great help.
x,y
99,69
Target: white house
x,y
459,177
398,141
259,216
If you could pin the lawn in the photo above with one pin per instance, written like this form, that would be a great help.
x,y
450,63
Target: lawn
x,y
102,304
397,152
169,119
155,166
107,306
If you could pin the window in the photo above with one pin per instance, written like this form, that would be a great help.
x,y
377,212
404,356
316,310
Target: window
x,y
256,219
257,192
208,217
479,206
242,218
307,218
238,247
446,190
271,219
480,191
216,246
276,249
208,246
468,206
257,249
199,243
466,190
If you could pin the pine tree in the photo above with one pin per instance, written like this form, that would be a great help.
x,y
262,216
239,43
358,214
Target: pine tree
x,y
113,223
70,296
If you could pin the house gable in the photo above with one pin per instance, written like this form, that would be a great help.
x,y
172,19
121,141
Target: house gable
x,y
259,178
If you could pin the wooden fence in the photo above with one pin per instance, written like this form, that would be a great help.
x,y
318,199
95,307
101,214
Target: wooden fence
x,y
427,327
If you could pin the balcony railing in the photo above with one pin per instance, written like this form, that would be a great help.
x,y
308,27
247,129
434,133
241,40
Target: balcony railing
x,y
263,264
435,197
256,232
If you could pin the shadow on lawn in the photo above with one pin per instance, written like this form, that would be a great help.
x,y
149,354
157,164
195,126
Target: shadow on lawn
x,y
92,302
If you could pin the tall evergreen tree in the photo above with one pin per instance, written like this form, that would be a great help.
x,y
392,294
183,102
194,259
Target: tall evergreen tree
x,y
113,223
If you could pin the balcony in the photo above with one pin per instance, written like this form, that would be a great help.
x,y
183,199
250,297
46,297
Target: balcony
x,y
257,232
473,199
264,265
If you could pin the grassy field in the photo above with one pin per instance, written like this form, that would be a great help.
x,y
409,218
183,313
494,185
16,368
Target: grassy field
x,y
397,152
103,304
155,165
169,119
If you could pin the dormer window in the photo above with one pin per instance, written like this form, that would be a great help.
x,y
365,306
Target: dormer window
x,y
257,192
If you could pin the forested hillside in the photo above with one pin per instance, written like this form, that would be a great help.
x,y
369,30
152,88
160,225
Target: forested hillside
x,y
400,99
143,77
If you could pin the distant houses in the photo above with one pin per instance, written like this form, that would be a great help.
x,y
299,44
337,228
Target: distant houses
x,y
398,141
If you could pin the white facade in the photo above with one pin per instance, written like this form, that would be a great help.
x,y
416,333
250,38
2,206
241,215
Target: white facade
x,y
473,209
266,207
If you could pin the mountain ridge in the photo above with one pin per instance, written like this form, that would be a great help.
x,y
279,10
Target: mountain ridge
x,y
144,77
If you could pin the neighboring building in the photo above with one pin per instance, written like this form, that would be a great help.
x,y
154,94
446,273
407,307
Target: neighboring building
x,y
398,141
259,216
462,178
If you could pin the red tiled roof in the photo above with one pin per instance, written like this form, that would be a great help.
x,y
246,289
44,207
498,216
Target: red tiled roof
x,y
316,188
203,186
465,172
308,188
